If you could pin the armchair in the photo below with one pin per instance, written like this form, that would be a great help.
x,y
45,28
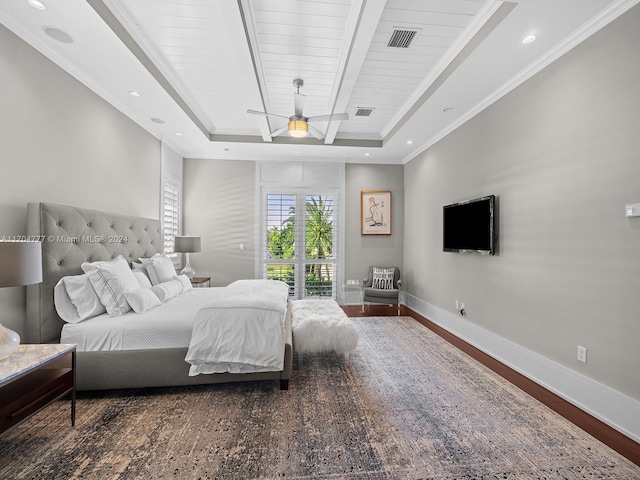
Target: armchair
x,y
388,294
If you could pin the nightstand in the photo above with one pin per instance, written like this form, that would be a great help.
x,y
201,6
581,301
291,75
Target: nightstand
x,y
201,282
34,376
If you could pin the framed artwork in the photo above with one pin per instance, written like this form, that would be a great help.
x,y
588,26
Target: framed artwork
x,y
375,212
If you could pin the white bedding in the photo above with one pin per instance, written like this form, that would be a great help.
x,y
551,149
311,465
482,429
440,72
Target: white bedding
x,y
237,329
167,326
249,314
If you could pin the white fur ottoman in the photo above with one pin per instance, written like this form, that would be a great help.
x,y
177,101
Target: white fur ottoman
x,y
322,326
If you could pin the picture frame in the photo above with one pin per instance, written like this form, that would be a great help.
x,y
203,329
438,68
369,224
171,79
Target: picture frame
x,y
375,212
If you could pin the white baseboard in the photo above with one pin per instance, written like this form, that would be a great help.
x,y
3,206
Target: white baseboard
x,y
610,406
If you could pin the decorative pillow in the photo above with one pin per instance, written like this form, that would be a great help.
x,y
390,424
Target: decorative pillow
x,y
142,299
166,290
185,282
76,300
160,268
382,278
111,280
142,279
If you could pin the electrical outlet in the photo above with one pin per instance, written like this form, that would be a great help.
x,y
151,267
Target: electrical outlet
x,y
582,354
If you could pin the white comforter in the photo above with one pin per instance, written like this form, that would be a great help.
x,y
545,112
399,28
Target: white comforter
x,y
241,330
166,326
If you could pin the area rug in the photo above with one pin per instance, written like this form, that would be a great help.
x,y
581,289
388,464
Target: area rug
x,y
404,405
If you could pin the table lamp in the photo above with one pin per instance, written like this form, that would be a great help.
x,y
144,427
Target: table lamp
x,y
187,244
20,264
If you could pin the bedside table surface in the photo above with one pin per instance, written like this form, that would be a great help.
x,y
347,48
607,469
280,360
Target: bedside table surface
x,y
200,279
29,357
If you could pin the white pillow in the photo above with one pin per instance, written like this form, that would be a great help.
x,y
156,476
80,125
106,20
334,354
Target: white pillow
x,y
185,282
166,290
142,299
159,268
76,300
111,280
139,267
142,279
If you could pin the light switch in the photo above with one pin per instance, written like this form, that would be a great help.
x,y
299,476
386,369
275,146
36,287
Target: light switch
x,y
632,210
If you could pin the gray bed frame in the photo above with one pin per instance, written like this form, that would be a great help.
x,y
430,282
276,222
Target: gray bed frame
x,y
71,236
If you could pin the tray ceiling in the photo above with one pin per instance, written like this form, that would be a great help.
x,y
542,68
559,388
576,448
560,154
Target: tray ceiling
x,y
405,71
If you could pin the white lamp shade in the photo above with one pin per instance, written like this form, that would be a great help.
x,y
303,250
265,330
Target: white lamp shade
x,y
20,263
187,244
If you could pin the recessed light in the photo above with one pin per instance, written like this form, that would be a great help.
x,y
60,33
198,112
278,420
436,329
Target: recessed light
x,y
37,4
367,154
409,142
447,109
58,34
179,134
529,39
133,93
159,121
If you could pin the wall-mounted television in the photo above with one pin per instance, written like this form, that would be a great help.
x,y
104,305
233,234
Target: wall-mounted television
x,y
469,226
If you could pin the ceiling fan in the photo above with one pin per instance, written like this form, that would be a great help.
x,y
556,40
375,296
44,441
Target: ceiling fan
x,y
298,125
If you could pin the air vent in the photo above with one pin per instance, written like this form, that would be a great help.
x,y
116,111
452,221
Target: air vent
x,y
364,111
401,38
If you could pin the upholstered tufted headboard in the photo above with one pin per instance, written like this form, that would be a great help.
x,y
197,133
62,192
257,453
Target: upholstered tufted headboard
x,y
71,236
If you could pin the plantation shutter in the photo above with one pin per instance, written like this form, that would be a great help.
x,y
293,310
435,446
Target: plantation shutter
x,y
301,227
321,244
170,217
300,244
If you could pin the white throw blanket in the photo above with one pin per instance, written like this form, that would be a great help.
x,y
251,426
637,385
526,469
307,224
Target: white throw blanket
x,y
322,326
242,330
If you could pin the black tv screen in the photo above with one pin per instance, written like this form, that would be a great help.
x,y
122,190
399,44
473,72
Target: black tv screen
x,y
468,227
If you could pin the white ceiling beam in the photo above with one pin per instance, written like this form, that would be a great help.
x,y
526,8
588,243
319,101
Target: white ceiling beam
x,y
239,34
487,19
363,21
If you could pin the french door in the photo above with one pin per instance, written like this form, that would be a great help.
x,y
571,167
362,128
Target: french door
x,y
300,241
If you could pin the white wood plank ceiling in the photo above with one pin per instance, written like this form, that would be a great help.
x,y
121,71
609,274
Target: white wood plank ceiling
x,y
226,57
199,65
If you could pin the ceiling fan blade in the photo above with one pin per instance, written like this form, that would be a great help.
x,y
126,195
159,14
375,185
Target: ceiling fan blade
x,y
298,100
265,114
280,131
326,118
315,132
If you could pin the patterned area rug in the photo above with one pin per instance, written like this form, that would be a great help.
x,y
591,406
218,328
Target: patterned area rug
x,y
405,405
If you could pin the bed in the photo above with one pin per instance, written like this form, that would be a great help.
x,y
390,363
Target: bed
x,y
72,236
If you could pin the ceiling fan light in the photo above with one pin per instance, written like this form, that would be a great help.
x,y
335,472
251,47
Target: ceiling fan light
x,y
298,128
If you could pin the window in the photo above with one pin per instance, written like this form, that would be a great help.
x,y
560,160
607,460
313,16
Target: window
x,y
170,217
300,242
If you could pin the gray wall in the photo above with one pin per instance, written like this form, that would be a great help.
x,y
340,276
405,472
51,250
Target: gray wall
x,y
61,143
219,198
562,153
220,205
364,250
